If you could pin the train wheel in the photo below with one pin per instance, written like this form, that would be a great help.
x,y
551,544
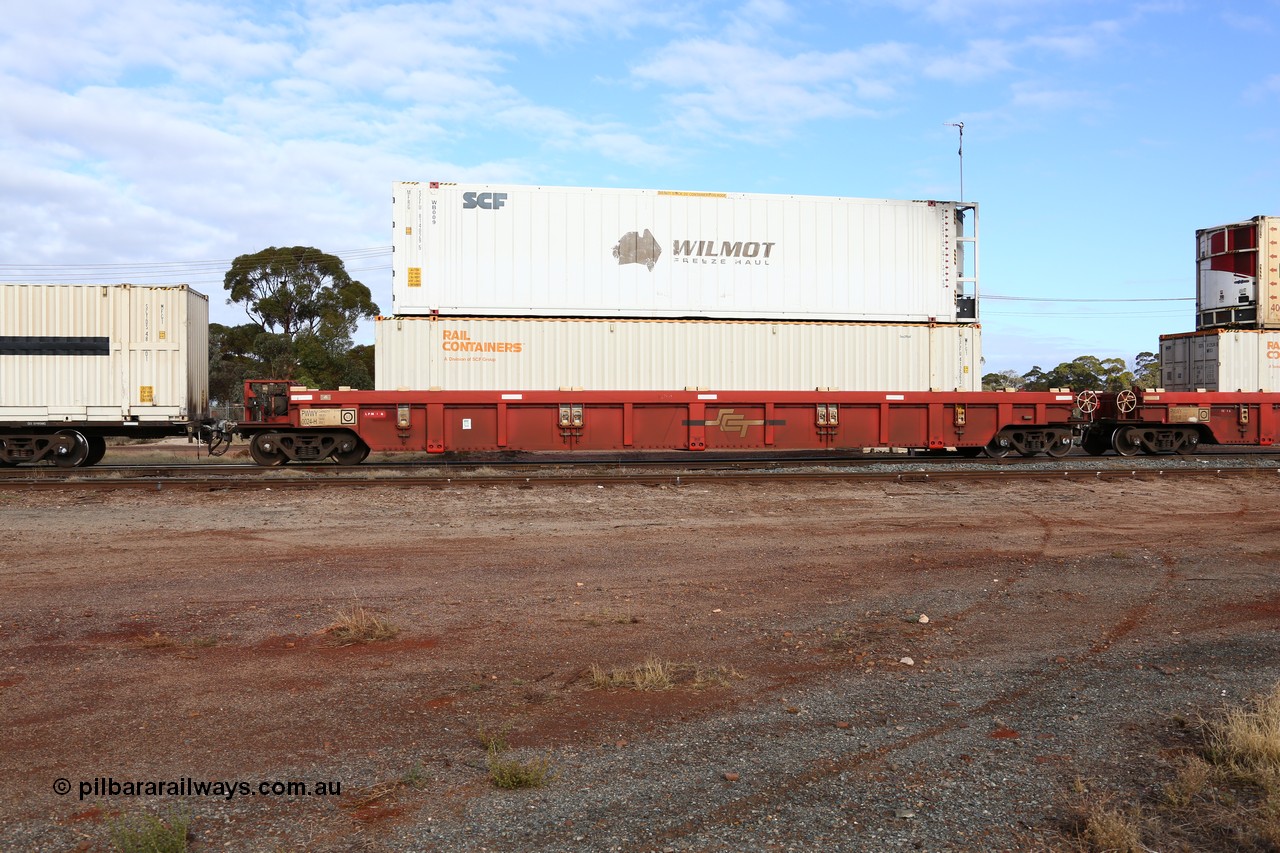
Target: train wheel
x,y
1189,444
77,455
1059,447
97,450
1095,443
264,452
1125,442
998,448
354,455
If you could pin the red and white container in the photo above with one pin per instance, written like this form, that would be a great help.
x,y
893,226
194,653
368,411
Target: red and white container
x,y
1238,275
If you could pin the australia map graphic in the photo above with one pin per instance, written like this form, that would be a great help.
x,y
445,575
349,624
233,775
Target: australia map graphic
x,y
636,248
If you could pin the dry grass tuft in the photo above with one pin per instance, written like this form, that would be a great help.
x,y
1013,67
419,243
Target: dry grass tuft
x,y
1193,778
657,674
1113,830
156,640
1246,742
653,674
1096,825
358,625
1224,793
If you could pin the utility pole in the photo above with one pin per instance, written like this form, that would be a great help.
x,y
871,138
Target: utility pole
x,y
959,125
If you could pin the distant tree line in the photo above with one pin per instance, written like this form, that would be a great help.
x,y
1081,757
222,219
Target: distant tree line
x,y
1085,372
305,308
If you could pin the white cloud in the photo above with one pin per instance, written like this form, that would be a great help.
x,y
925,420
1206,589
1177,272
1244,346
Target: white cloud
x,y
1033,96
1264,90
981,59
765,92
1248,23
991,14
1080,42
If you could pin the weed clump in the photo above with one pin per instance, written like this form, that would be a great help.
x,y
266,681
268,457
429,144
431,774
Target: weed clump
x,y
511,773
150,833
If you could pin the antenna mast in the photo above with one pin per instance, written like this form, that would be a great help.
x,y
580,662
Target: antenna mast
x,y
959,125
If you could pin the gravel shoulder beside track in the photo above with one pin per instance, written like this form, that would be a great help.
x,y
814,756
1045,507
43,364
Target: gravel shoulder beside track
x,y
180,635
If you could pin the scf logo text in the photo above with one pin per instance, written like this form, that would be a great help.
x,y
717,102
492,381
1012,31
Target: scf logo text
x,y
484,201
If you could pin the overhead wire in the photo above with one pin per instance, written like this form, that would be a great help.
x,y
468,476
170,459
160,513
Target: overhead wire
x,y
184,271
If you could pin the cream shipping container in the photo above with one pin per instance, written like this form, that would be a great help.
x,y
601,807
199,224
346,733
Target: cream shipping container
x,y
1238,275
499,250
1221,360
531,354
134,356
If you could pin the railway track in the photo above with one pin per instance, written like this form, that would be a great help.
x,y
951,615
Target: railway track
x,y
651,472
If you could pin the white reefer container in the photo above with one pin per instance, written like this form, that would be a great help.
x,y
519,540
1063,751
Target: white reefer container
x,y
103,353
1238,275
1221,360
529,354
498,250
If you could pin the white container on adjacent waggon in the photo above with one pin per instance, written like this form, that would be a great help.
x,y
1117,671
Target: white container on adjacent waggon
x,y
103,354
1221,360
1237,277
532,354
516,251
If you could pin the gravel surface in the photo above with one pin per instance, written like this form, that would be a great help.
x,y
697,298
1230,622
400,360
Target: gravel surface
x,y
160,636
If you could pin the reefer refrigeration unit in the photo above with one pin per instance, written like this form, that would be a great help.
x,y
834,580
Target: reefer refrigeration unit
x,y
531,354
1221,360
1237,283
121,354
497,250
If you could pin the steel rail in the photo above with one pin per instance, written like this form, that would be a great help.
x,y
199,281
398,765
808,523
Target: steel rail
x,y
646,479
527,465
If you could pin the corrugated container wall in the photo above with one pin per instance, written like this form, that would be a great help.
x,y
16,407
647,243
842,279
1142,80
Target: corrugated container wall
x,y
491,354
1221,360
491,250
72,352
1238,275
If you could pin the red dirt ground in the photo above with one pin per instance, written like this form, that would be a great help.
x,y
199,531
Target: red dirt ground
x,y
163,635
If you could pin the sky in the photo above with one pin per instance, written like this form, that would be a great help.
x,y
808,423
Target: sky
x,y
152,141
